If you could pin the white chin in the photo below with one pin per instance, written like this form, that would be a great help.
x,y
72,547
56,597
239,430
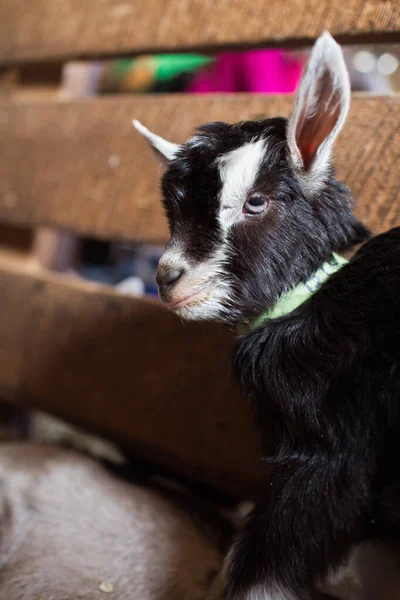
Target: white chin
x,y
208,310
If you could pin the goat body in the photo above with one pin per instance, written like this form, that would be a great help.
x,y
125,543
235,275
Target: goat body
x,y
325,381
254,210
70,530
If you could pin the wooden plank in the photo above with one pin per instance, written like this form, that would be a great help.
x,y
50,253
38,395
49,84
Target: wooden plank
x,y
16,238
129,369
69,28
80,165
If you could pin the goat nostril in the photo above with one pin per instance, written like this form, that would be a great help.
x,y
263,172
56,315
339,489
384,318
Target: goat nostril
x,y
167,277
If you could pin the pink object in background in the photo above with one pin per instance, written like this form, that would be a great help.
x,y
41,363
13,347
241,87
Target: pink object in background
x,y
263,71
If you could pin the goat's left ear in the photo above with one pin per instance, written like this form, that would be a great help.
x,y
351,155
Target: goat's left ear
x,y
321,106
165,150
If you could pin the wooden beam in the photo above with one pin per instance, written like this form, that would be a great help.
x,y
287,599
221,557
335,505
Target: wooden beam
x,y
81,166
60,29
129,369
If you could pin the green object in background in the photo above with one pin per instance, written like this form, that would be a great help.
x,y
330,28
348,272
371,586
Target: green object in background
x,y
162,66
168,66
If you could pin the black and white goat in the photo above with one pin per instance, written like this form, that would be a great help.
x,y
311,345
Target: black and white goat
x,y
255,212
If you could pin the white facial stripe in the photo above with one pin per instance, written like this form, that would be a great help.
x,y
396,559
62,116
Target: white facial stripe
x,y
238,171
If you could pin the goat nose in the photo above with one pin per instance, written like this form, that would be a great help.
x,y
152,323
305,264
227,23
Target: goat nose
x,y
168,277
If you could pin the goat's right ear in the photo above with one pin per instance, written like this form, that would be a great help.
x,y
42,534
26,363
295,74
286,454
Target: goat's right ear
x,y
165,150
321,106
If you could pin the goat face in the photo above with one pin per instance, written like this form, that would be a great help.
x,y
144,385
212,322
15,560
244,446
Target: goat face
x,y
254,208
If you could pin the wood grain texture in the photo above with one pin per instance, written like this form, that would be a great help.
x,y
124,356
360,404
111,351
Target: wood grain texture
x,y
129,369
80,165
54,29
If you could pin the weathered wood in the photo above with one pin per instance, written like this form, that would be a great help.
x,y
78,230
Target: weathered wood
x,y
55,249
129,369
57,29
80,165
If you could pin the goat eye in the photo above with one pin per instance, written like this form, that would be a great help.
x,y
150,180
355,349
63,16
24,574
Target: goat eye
x,y
255,205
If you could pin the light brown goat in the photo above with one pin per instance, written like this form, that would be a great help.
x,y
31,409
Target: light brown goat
x,y
70,530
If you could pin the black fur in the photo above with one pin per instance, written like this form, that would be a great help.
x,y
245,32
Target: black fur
x,y
324,380
267,256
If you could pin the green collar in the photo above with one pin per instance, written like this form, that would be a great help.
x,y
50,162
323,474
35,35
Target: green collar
x,y
299,294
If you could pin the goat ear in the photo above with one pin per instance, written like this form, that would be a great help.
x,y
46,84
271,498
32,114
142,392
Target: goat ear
x,y
165,150
321,106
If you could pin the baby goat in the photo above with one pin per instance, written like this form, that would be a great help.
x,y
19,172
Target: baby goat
x,y
256,217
